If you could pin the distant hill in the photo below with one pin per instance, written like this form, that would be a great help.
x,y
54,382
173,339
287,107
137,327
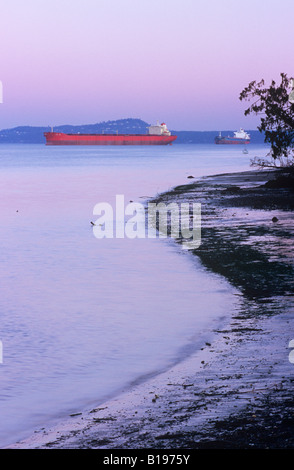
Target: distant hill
x,y
35,135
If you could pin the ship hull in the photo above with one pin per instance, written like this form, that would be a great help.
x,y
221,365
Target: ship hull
x,y
230,141
59,138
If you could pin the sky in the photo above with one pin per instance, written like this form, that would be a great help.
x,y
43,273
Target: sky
x,y
183,62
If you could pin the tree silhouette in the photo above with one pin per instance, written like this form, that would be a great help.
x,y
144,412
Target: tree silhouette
x,y
277,119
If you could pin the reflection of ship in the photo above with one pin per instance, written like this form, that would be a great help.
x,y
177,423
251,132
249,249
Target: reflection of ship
x,y
240,137
157,135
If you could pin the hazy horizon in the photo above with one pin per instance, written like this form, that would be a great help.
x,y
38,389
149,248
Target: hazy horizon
x,y
114,120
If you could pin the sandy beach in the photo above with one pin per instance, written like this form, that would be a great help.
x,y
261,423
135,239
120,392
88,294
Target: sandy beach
x,y
237,391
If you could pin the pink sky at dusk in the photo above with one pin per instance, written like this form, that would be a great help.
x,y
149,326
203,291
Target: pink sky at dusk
x,y
184,62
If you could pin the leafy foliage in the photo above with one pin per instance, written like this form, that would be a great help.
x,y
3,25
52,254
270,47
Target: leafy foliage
x,y
277,119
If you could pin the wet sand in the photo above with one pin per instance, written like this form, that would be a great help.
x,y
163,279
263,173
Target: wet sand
x,y
237,391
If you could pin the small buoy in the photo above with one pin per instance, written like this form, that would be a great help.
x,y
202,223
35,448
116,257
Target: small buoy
x,y
274,219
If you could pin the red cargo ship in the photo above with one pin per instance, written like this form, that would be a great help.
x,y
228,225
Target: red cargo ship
x,y
157,135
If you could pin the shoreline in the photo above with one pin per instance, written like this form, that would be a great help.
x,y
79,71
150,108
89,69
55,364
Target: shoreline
x,y
236,392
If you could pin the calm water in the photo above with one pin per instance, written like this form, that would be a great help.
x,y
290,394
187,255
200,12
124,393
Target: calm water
x,y
82,318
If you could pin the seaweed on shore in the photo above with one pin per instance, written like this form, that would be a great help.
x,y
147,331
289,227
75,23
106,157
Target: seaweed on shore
x,y
244,266
243,250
